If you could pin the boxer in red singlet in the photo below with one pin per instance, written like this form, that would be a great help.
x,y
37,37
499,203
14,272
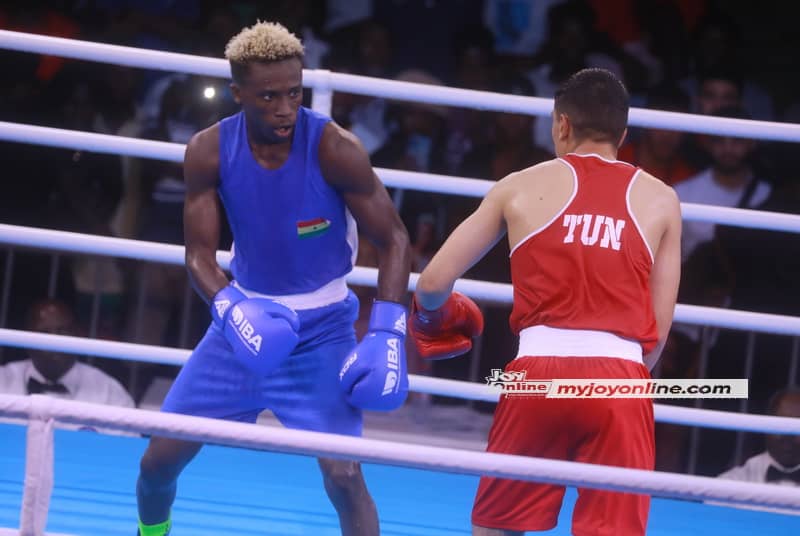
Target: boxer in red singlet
x,y
595,266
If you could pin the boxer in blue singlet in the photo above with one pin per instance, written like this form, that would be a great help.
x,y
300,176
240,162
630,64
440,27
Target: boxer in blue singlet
x,y
294,187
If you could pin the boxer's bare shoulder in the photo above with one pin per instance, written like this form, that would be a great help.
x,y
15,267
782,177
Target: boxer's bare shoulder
x,y
533,196
655,206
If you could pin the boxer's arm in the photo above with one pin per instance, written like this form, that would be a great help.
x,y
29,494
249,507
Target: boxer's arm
x,y
666,273
470,241
345,165
201,213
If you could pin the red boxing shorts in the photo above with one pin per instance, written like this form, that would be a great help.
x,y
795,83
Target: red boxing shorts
x,y
607,431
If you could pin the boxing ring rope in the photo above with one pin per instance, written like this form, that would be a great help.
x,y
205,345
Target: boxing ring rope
x,y
482,290
42,412
324,82
496,292
429,182
499,292
43,409
706,418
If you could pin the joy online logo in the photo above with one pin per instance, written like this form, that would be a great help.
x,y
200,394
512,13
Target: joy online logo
x,y
500,377
515,382
245,331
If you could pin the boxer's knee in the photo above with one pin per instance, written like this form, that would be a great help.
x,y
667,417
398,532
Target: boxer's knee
x,y
163,461
343,479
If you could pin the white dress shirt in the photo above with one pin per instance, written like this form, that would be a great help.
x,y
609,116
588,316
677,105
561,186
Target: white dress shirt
x,y
755,470
84,383
703,189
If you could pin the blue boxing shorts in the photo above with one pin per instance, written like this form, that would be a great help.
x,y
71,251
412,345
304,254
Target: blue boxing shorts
x,y
303,393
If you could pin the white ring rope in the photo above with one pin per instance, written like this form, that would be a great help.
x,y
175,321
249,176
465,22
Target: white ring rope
x,y
173,152
481,290
723,420
40,409
449,460
428,182
391,89
399,454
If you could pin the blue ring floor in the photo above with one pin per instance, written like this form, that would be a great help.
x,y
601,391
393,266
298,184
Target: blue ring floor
x,y
236,491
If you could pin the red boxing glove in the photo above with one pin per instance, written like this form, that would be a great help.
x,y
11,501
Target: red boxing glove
x,y
445,332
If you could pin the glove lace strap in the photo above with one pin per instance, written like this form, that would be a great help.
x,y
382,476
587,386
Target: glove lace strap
x,y
388,316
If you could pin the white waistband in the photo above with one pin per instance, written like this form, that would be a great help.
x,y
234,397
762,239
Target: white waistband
x,y
333,292
547,341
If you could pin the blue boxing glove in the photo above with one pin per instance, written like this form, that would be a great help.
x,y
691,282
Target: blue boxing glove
x,y
261,332
374,376
222,302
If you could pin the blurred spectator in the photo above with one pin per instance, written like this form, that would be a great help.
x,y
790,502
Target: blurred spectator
x,y
346,13
374,51
220,23
658,151
679,360
361,115
415,131
51,19
707,279
88,189
780,462
59,374
417,143
304,18
767,262
718,47
119,106
717,89
729,182
509,147
158,25
518,26
164,294
571,45
651,32
475,62
474,58
433,25
370,54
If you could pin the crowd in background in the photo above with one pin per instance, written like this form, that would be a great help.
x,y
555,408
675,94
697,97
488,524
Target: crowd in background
x,y
693,56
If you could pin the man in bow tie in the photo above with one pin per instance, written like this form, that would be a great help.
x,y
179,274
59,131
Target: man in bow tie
x,y
55,373
780,462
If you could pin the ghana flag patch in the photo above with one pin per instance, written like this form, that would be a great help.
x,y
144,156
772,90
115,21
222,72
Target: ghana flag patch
x,y
310,228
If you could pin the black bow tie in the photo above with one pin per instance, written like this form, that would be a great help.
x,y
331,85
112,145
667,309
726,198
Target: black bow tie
x,y
36,387
775,475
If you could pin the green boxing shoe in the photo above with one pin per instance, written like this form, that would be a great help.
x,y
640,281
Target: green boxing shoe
x,y
161,529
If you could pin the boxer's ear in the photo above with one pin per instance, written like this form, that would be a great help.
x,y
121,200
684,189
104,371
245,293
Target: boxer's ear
x,y
622,139
237,92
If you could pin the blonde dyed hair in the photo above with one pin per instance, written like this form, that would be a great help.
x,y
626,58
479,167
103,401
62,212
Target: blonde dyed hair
x,y
262,42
